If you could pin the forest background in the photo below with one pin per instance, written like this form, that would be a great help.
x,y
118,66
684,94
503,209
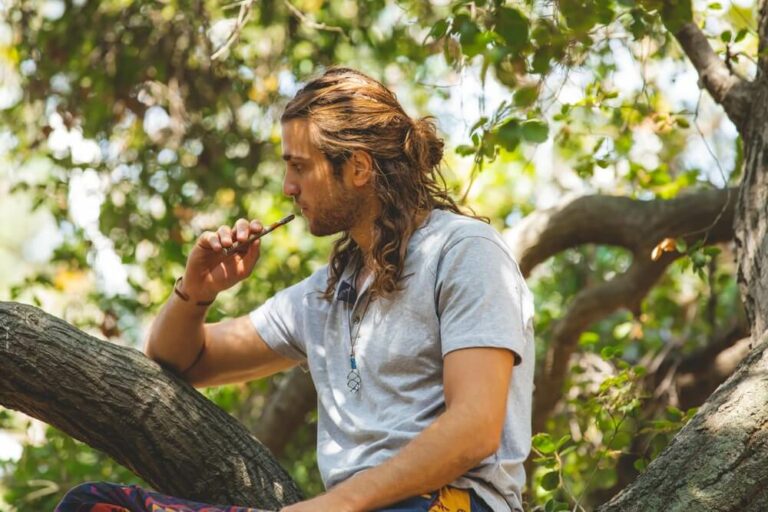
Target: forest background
x,y
579,127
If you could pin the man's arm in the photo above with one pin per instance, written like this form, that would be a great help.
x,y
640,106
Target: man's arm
x,y
234,352
212,354
476,382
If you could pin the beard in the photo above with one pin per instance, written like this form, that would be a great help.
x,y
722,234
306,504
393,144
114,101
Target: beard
x,y
338,212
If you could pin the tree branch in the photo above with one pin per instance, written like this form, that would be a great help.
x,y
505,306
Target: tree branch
x,y
733,93
762,46
286,410
621,221
637,225
703,467
147,419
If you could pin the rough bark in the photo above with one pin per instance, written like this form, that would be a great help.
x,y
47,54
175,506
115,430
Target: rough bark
x,y
732,92
119,401
717,461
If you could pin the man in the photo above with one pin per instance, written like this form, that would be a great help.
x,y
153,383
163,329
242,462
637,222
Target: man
x,y
418,334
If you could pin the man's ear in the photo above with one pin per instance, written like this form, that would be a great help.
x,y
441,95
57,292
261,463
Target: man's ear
x,y
361,168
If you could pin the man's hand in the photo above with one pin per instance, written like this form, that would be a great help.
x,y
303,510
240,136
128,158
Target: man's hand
x,y
328,502
210,271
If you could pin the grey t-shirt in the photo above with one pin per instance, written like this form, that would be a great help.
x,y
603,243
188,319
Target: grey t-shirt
x,y
463,289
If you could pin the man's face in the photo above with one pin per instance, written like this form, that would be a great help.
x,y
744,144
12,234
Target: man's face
x,y
330,204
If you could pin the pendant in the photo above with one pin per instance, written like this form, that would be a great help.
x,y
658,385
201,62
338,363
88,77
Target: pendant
x,y
353,377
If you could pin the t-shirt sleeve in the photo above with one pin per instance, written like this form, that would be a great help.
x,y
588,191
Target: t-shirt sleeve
x,y
279,323
482,298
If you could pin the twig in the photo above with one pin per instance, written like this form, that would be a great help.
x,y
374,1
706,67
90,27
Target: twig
x,y
242,18
310,22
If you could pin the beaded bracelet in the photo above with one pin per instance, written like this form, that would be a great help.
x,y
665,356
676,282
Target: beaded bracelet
x,y
183,296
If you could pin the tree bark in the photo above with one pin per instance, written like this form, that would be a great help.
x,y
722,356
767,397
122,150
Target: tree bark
x,y
145,417
717,461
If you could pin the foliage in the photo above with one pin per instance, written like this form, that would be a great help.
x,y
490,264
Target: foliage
x,y
118,106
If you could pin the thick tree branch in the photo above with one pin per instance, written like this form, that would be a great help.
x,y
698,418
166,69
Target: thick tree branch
x,y
693,378
286,410
726,88
119,401
621,221
704,466
636,225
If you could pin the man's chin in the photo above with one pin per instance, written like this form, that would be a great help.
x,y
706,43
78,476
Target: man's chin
x,y
321,229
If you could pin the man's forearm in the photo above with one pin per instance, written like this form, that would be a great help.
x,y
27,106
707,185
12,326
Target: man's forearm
x,y
444,451
177,335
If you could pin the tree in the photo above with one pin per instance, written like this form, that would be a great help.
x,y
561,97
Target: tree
x,y
152,68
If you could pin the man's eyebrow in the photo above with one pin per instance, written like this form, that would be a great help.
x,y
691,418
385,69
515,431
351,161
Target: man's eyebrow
x,y
288,157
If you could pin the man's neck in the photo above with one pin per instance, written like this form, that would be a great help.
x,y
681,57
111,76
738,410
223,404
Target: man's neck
x,y
362,234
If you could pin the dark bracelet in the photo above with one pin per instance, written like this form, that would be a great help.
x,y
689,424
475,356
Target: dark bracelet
x,y
183,296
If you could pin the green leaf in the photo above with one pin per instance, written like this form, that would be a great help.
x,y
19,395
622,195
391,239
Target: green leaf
x,y
439,29
681,245
543,443
550,480
588,338
740,35
673,413
526,96
726,36
508,135
552,505
711,251
674,13
640,465
469,35
465,150
512,26
534,130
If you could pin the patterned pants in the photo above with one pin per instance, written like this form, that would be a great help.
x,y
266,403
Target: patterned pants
x,y
107,497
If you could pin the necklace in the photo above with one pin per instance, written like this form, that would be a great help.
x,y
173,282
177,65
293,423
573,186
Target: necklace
x,y
354,381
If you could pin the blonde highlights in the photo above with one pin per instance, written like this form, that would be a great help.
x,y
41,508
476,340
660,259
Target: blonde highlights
x,y
349,111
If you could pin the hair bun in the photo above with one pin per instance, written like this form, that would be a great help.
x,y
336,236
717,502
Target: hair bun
x,y
422,144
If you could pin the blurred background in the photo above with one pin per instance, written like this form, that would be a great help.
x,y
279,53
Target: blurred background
x,y
128,128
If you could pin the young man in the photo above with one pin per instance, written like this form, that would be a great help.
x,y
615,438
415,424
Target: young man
x,y
418,334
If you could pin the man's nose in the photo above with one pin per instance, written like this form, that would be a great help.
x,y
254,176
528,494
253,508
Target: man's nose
x,y
290,188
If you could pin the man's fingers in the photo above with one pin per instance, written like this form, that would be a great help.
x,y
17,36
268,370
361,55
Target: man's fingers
x,y
210,240
241,230
225,236
253,253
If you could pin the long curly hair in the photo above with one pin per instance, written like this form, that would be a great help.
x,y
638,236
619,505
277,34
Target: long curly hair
x,y
351,111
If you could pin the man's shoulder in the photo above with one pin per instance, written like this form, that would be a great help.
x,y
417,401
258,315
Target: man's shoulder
x,y
314,284
454,228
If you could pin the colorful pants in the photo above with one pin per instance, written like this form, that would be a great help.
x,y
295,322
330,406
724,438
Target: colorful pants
x,y
106,497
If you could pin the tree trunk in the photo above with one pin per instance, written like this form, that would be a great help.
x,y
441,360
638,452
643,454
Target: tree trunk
x,y
717,461
119,401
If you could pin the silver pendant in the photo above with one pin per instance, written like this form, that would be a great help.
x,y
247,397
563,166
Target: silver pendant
x,y
353,377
